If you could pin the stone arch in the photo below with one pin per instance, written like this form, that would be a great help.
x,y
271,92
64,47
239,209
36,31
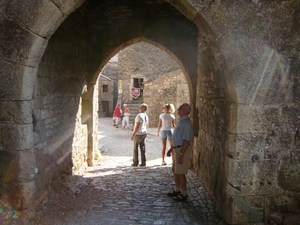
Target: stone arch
x,y
237,46
29,59
163,48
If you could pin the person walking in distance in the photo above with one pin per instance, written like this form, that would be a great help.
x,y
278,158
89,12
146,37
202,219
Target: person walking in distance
x,y
139,134
117,115
166,123
182,148
125,121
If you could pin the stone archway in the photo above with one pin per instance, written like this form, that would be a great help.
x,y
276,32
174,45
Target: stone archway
x,y
235,67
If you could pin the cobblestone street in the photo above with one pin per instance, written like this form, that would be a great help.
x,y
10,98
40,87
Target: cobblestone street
x,y
116,193
138,196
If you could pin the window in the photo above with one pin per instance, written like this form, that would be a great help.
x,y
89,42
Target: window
x,y
105,88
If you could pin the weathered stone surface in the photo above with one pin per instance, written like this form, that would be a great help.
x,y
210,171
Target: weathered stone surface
x,y
163,81
241,66
254,119
20,45
240,210
275,218
245,146
292,115
18,172
170,88
67,7
18,85
291,219
289,177
106,95
245,177
17,137
16,111
248,48
284,203
41,17
9,170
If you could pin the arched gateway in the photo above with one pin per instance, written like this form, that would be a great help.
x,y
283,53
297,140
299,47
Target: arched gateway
x,y
242,70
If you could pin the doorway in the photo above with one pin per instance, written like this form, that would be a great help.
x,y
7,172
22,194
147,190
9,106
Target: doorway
x,y
105,106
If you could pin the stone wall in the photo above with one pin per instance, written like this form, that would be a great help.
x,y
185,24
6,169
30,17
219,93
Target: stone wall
x,y
60,133
166,88
142,60
106,96
110,70
247,151
80,143
246,78
209,145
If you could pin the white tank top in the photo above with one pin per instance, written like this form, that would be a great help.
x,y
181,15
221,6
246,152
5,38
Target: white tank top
x,y
166,119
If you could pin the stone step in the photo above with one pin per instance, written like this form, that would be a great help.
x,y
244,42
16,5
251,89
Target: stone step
x,y
134,110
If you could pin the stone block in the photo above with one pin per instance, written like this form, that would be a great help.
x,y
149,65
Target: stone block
x,y
18,85
289,177
16,166
16,111
245,177
245,146
277,154
243,119
291,219
292,113
284,202
8,167
17,137
30,47
240,210
253,119
21,195
29,14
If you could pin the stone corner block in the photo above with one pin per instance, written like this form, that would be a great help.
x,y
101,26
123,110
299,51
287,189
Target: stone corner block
x,y
17,137
240,210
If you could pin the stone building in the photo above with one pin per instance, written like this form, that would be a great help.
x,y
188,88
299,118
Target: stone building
x,y
106,96
110,71
242,68
140,62
161,78
167,88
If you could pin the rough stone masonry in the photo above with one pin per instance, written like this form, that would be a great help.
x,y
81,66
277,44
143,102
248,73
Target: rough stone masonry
x,y
240,60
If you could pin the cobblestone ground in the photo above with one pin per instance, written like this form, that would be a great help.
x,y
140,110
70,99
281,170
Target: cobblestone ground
x,y
114,193
138,196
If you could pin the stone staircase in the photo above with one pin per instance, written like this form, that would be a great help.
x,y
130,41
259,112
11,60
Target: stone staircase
x,y
134,109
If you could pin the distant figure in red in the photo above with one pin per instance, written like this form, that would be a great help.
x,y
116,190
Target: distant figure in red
x,y
117,115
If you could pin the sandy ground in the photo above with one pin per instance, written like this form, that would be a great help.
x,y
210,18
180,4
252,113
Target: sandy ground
x,y
112,192
116,147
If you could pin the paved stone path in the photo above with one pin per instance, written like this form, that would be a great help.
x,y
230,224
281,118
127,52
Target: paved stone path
x,y
137,195
114,193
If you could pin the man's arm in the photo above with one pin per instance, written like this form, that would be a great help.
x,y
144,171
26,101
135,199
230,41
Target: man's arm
x,y
136,128
182,151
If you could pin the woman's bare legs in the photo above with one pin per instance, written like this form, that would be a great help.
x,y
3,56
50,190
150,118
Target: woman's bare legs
x,y
163,151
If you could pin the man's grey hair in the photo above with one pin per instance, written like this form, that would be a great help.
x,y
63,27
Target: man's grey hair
x,y
187,107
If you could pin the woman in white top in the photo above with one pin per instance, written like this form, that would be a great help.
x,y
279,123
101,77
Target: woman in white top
x,y
166,123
